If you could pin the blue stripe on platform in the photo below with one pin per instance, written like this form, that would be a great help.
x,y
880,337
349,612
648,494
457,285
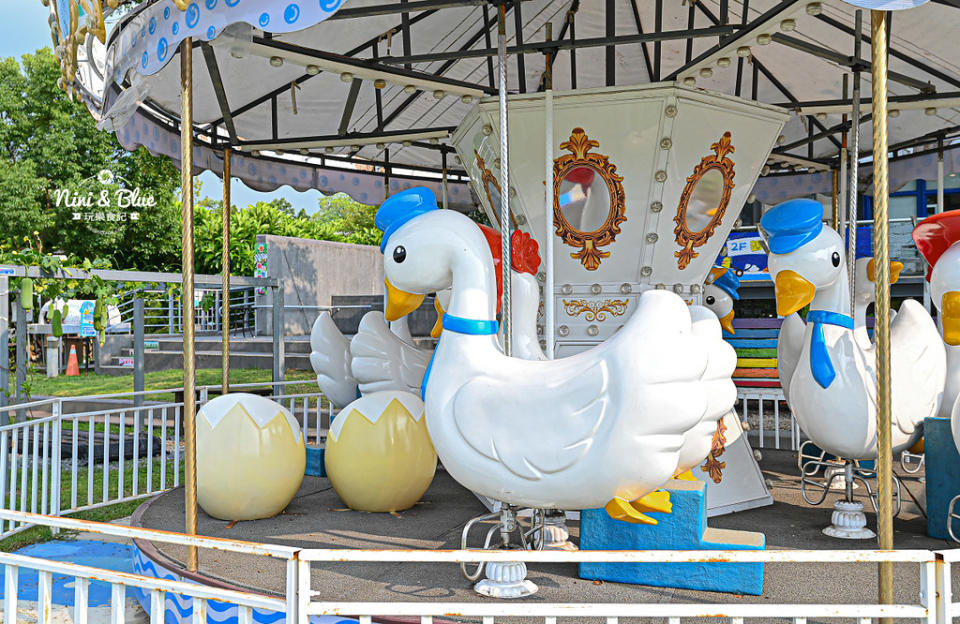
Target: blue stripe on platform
x,y
751,344
754,333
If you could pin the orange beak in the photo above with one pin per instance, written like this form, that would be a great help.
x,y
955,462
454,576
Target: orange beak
x,y
793,291
399,302
727,323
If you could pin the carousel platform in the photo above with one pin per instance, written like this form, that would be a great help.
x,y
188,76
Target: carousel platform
x,y
318,519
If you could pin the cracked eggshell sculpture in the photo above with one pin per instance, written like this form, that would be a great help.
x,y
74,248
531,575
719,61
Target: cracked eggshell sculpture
x,y
937,238
250,457
830,374
379,456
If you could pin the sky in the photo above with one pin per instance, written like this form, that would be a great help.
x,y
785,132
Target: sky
x,y
24,29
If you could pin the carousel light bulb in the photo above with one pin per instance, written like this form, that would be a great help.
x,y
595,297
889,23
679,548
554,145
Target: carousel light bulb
x,y
380,146
467,99
407,143
312,70
821,116
752,197
255,153
706,72
764,39
434,141
328,150
678,288
695,289
379,83
409,89
765,170
487,130
354,148
439,94
743,51
346,77
788,24
930,111
723,61
276,61
690,81
305,152
814,8
781,139
894,113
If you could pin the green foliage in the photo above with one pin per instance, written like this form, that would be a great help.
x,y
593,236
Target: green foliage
x,y
49,143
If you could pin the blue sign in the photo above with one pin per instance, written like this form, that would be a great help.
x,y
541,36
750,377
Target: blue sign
x,y
86,320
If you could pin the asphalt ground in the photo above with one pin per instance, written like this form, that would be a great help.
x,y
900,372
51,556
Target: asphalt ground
x,y
318,519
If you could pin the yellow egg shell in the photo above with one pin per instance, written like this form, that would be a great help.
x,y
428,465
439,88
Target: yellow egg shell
x,y
250,457
379,456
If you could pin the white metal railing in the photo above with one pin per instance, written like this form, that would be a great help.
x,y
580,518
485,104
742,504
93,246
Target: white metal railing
x,y
926,608
767,402
162,592
934,604
66,462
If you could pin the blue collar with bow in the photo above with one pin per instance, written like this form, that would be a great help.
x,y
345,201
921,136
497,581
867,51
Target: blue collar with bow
x,y
820,364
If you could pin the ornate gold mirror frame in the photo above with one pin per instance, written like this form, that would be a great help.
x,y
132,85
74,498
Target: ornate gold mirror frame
x,y
686,238
589,243
486,179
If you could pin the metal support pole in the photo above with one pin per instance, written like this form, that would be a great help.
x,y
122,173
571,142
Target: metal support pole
x,y
939,177
854,163
836,199
443,182
278,347
138,363
549,225
843,165
881,255
4,347
186,296
225,268
504,180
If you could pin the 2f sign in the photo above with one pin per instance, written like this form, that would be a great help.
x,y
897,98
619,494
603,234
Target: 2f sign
x,y
886,5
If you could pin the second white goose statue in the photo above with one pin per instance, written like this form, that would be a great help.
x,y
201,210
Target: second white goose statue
x,y
831,384
602,428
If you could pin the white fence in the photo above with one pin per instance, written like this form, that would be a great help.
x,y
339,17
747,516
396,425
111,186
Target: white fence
x,y
934,604
66,462
760,408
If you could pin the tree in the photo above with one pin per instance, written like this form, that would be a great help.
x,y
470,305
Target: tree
x,y
349,219
49,144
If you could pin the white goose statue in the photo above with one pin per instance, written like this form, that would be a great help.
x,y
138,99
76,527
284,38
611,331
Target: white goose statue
x,y
831,384
602,428
938,239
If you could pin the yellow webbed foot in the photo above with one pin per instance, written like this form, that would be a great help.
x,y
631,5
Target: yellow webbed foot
x,y
636,511
685,476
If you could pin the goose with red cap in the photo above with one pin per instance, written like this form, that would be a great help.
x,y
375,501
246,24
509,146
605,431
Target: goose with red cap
x,y
937,238
832,381
603,428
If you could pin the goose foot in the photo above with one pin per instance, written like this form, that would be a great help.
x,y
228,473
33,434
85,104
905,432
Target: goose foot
x,y
505,580
635,511
848,521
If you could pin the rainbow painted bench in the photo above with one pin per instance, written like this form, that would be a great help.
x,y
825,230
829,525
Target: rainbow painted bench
x,y
755,342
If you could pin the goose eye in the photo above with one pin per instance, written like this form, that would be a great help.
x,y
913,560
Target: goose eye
x,y
836,259
710,300
399,254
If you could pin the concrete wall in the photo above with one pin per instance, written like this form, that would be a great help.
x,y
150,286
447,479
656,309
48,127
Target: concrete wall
x,y
312,272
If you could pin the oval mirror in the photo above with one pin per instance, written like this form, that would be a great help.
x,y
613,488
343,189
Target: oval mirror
x,y
705,200
584,199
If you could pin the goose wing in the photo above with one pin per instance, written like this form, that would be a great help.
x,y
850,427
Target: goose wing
x,y
500,417
382,361
330,359
918,366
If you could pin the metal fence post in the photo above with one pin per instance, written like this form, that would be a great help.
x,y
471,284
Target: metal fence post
x,y
170,313
22,354
4,347
278,347
56,458
293,589
944,591
303,592
139,380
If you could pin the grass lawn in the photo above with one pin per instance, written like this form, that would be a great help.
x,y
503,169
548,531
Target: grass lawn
x,y
92,384
101,514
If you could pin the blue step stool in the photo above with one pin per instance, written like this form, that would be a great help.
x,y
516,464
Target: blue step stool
x,y
684,529
942,475
315,466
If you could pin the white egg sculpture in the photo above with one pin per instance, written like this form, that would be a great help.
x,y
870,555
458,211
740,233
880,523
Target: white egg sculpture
x,y
250,457
379,456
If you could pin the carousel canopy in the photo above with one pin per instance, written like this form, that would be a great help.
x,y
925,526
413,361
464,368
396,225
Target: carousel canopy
x,y
341,96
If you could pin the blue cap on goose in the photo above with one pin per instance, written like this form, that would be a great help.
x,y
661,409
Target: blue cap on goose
x,y
791,224
400,208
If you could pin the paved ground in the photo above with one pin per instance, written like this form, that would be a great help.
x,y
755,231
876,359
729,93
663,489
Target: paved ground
x,y
317,519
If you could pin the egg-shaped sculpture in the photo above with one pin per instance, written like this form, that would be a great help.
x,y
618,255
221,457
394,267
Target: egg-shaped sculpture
x,y
250,457
379,456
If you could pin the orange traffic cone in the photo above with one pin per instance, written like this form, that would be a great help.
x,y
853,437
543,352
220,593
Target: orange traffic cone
x,y
73,368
